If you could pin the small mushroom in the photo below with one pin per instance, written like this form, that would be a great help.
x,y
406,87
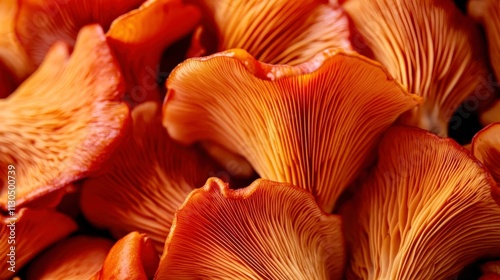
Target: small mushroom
x,y
132,257
28,232
314,125
64,121
425,211
491,271
492,114
139,37
277,32
146,180
486,148
40,24
431,48
76,258
267,230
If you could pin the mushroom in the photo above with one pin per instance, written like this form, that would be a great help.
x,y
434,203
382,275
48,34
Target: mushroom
x,y
486,148
64,121
40,24
313,125
267,230
491,271
277,32
431,48
491,115
75,258
25,233
147,179
12,54
132,257
425,211
139,37
488,12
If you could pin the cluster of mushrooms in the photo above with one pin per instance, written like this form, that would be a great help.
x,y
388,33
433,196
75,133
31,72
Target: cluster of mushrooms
x,y
249,139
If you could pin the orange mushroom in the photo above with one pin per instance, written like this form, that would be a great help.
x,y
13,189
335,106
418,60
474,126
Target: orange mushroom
x,y
491,271
268,230
147,179
488,12
39,24
75,258
132,257
25,234
491,115
64,121
431,48
139,37
313,125
278,31
486,147
425,211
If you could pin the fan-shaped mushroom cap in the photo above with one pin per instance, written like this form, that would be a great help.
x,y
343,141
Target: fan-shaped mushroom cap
x,y
132,257
430,47
491,271
425,211
278,31
268,230
486,147
24,235
147,179
488,13
41,23
139,37
75,258
63,121
12,54
313,125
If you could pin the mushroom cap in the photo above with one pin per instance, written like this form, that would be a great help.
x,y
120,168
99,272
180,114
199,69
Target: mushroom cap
x,y
146,180
486,148
278,31
139,37
132,257
76,258
431,48
39,24
32,230
267,230
313,125
64,121
425,211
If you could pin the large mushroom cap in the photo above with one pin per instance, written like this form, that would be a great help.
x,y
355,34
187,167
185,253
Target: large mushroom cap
x,y
268,230
313,125
147,179
63,121
425,212
431,47
132,257
486,147
278,31
139,37
76,258
27,233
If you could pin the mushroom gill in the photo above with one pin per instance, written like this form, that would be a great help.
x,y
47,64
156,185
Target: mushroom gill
x,y
268,230
313,125
39,24
26,233
488,12
486,148
139,37
278,31
76,258
425,211
132,257
147,179
64,120
431,48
